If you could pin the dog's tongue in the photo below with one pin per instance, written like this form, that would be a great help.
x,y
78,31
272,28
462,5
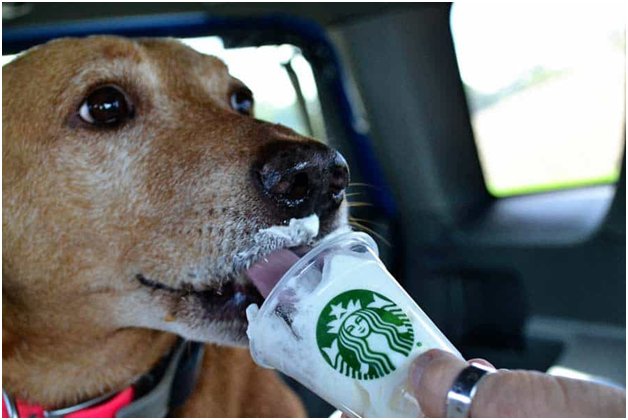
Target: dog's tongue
x,y
266,273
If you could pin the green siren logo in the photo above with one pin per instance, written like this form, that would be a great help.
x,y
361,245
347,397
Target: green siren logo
x,y
363,334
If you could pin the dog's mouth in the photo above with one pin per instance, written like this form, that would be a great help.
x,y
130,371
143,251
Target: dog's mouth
x,y
252,274
223,302
229,299
267,272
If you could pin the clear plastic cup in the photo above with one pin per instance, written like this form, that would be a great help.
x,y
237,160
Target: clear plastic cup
x,y
341,325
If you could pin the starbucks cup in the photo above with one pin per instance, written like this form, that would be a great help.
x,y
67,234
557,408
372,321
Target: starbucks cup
x,y
341,325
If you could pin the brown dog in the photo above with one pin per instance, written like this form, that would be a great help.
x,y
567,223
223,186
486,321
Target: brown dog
x,y
133,176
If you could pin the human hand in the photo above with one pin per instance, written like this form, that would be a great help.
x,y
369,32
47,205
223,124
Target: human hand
x,y
516,393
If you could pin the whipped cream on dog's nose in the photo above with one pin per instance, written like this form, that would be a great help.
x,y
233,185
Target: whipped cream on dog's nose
x,y
341,325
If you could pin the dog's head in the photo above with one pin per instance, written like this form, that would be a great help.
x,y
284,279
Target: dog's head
x,y
136,183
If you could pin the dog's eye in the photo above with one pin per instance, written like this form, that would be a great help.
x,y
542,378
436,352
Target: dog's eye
x,y
105,106
242,101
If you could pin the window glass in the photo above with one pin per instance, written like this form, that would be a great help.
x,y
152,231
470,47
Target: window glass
x,y
267,72
545,83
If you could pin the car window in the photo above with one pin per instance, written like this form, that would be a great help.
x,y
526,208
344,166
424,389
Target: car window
x,y
545,84
267,72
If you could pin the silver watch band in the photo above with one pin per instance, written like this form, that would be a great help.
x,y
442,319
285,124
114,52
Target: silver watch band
x,y
463,389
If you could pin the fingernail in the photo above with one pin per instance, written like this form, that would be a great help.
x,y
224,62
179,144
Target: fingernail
x,y
482,362
418,367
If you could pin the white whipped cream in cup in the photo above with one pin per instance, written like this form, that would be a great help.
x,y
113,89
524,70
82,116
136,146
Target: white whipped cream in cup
x,y
341,325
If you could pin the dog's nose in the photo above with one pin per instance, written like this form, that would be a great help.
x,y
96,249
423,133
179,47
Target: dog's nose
x,y
302,178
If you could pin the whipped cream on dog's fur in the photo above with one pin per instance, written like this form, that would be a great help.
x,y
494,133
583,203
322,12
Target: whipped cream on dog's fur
x,y
298,232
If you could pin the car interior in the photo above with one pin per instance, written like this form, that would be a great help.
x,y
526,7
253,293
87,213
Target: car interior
x,y
487,165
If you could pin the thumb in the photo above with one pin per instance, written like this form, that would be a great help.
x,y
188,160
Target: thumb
x,y
512,393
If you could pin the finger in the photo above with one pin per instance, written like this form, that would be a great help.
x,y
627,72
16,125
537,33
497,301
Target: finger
x,y
432,375
512,393
521,393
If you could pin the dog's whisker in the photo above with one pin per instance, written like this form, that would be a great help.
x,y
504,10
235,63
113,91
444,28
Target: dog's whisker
x,y
369,230
362,184
367,221
359,204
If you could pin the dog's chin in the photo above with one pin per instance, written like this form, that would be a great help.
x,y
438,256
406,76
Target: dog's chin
x,y
225,333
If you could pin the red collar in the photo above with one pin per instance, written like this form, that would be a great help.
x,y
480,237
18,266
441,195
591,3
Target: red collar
x,y
94,408
155,394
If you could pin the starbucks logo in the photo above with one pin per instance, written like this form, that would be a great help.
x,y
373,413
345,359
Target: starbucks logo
x,y
363,334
